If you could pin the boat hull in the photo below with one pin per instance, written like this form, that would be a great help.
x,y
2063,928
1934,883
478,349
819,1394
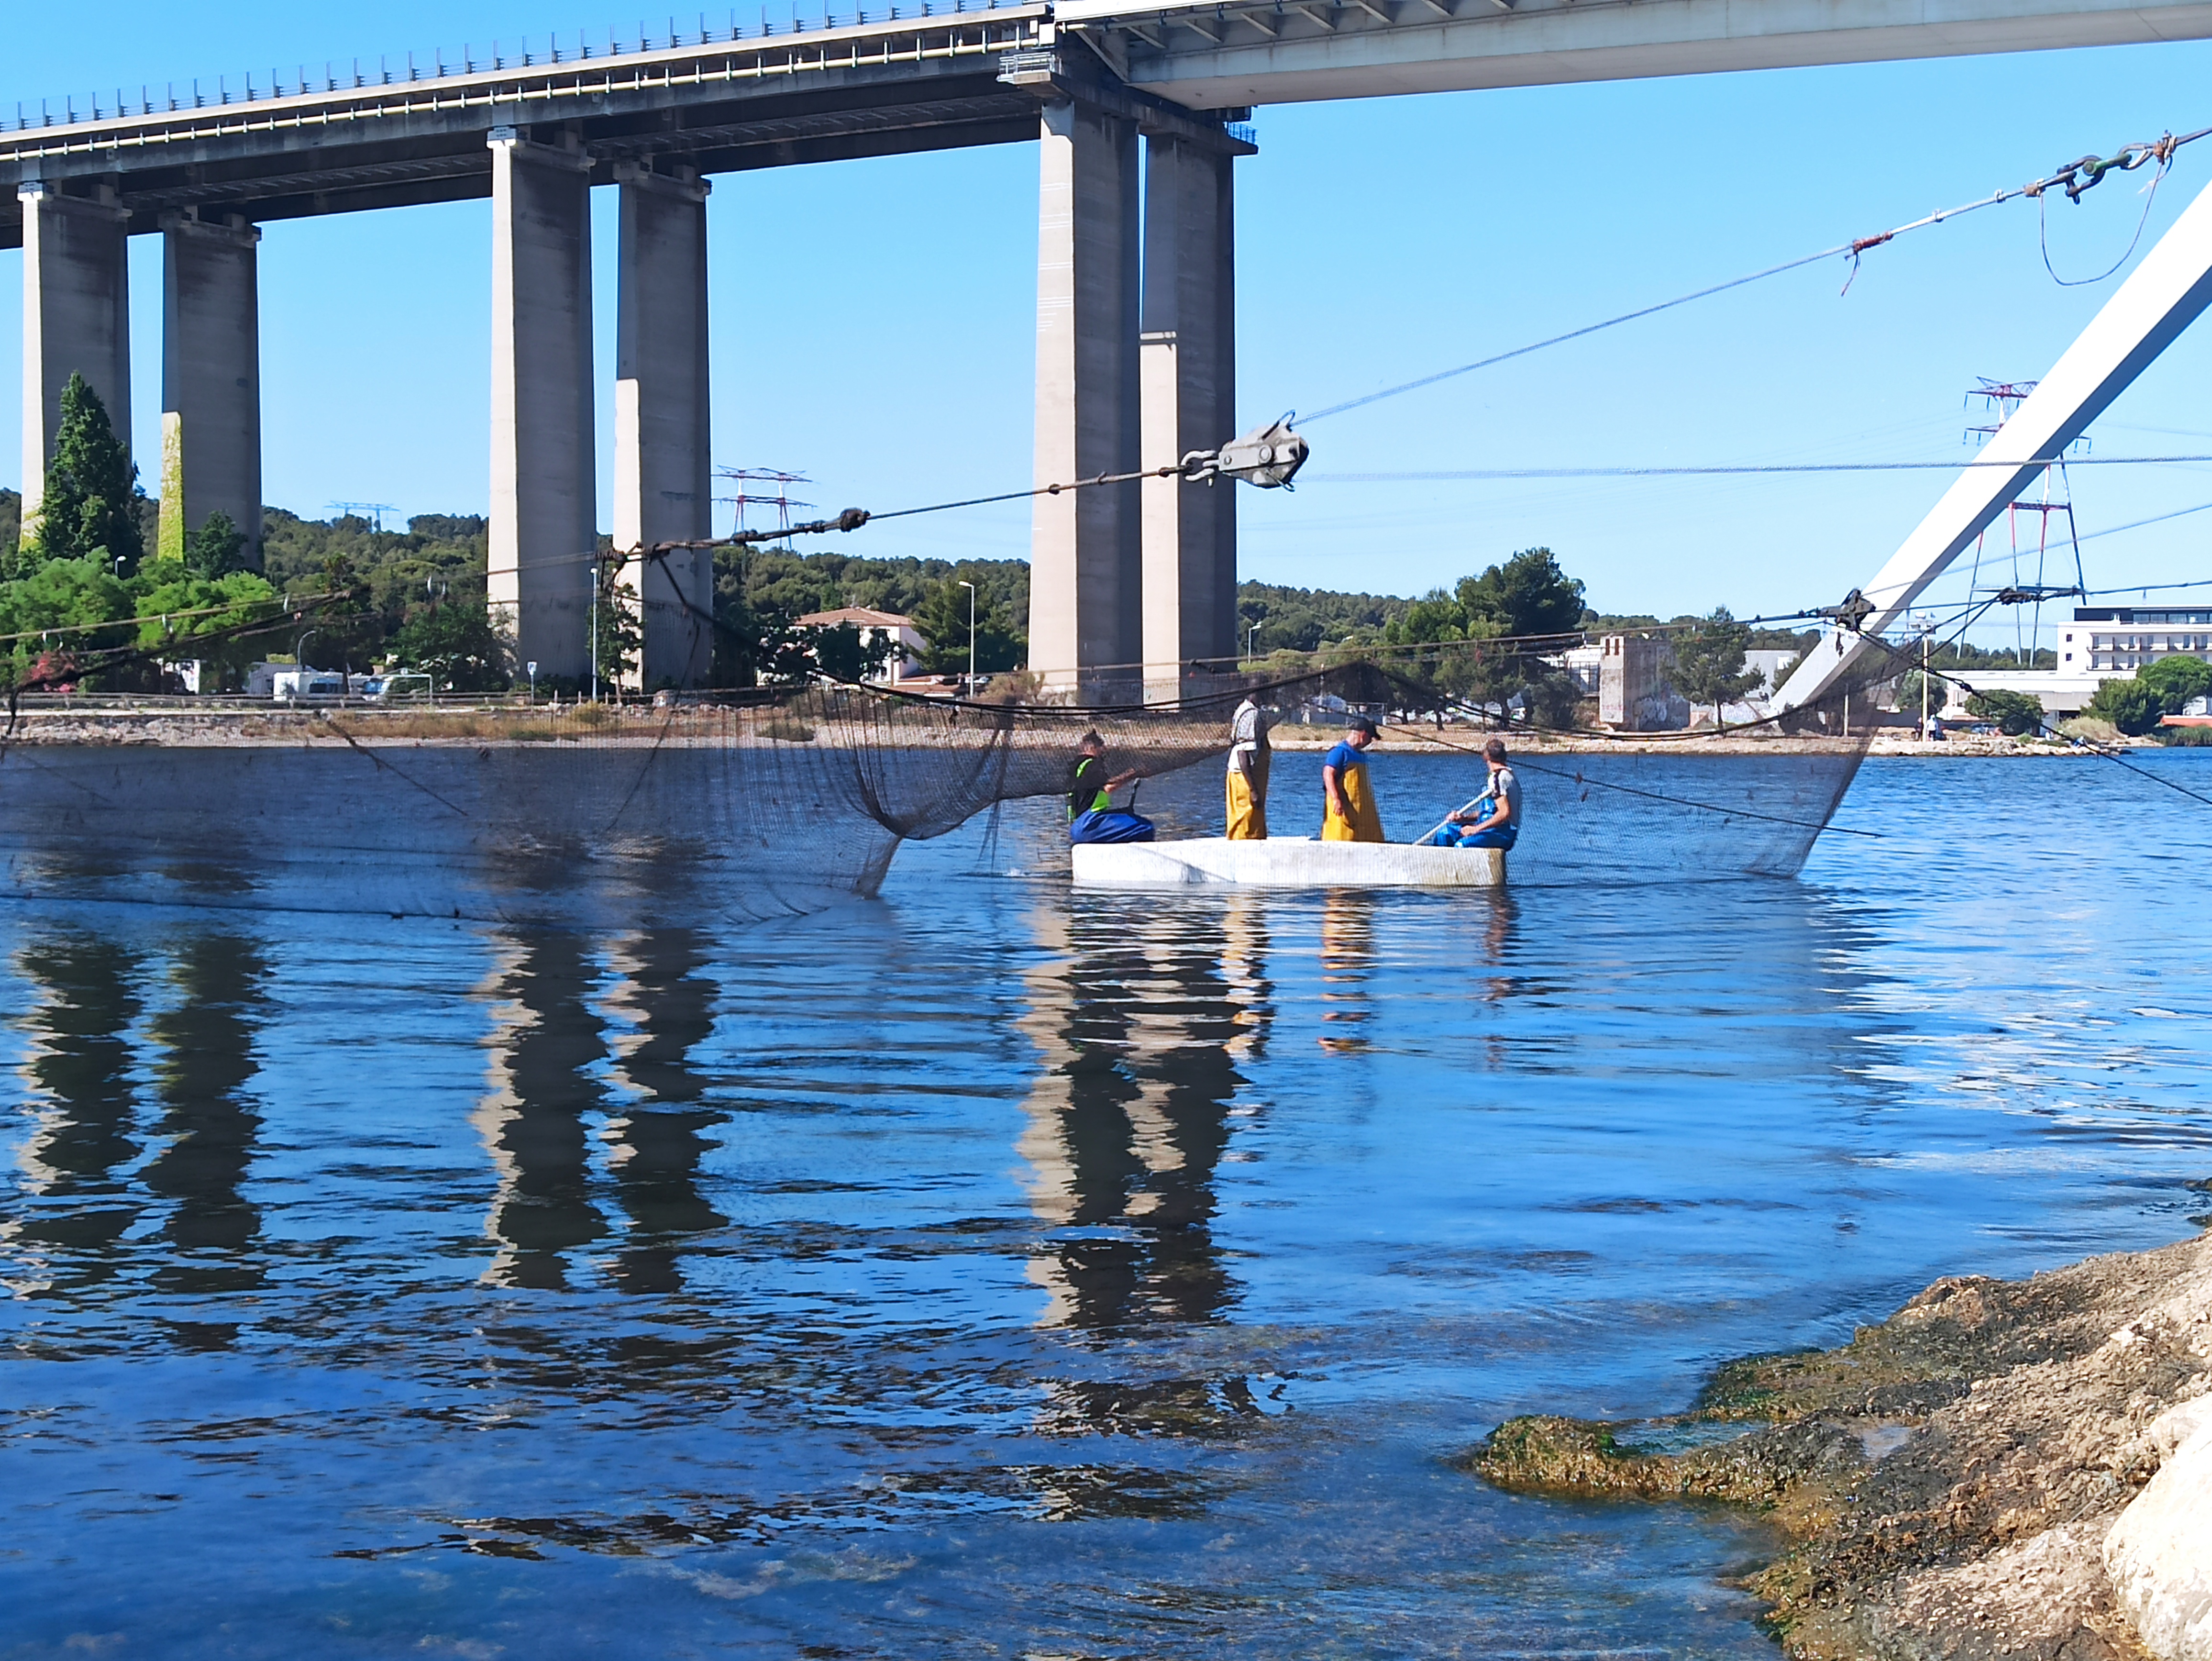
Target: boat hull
x,y
1283,862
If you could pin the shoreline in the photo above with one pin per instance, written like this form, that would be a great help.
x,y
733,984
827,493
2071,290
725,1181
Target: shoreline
x,y
2001,1468
278,726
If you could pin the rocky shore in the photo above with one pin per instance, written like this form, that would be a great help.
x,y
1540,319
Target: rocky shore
x,y
2001,1468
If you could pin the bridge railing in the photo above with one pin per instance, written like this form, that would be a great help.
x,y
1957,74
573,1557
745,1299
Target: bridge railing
x,y
468,65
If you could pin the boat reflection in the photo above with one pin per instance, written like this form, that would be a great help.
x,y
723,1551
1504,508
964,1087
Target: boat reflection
x,y
587,1053
1142,1013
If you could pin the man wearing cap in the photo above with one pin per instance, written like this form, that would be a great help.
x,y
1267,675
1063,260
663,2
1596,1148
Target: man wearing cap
x,y
1348,810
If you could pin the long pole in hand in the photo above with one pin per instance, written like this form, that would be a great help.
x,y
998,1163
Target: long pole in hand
x,y
1464,807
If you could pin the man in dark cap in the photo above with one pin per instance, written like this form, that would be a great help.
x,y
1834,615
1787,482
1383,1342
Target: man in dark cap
x,y
1348,810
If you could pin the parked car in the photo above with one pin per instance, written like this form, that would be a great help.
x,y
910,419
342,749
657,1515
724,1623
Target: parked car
x,y
398,688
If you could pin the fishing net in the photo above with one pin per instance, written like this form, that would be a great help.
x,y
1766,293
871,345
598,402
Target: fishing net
x,y
770,802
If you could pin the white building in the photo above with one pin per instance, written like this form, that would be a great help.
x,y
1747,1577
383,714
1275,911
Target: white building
x,y
2117,637
2061,693
875,627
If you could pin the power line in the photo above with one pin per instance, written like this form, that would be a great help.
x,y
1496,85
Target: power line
x,y
2074,179
1483,474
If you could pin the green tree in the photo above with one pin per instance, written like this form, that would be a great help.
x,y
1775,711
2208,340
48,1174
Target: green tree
x,y
184,615
66,597
2016,714
2176,680
1307,619
942,619
456,646
2133,706
1527,595
1527,598
91,503
1708,662
216,549
349,634
620,634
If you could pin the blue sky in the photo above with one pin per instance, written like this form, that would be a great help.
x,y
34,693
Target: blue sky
x,y
889,357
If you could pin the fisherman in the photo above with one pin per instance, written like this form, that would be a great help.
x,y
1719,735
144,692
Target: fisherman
x,y
1493,819
1348,810
1091,815
1247,772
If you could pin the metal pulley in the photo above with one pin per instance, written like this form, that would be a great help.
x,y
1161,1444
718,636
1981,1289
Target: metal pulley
x,y
1269,456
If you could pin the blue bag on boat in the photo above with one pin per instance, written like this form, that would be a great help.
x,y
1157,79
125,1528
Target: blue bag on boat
x,y
1108,824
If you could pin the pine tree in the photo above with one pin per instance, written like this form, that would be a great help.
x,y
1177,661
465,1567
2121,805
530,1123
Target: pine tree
x,y
1708,662
90,503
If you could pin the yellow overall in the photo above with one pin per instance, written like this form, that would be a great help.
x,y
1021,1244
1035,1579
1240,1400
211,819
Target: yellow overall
x,y
1248,800
1362,821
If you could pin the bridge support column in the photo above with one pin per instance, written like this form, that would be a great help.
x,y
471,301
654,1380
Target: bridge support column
x,y
76,319
663,492
210,380
1189,389
1085,566
545,521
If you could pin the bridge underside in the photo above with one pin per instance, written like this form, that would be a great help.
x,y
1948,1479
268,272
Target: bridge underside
x,y
1225,52
414,156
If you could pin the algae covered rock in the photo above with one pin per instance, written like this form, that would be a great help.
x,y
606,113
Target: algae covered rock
x,y
2000,1468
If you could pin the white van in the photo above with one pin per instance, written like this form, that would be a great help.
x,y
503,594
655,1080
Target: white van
x,y
399,687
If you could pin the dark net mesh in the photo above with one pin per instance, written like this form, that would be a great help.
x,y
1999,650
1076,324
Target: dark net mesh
x,y
765,803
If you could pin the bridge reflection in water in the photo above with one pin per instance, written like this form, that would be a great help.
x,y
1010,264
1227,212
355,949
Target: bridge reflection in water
x,y
86,1189
76,1202
1143,1014
586,1050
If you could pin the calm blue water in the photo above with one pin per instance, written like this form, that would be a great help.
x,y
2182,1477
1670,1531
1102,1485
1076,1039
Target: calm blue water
x,y
996,1270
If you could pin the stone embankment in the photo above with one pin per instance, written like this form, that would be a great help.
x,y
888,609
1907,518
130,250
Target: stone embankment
x,y
2001,1468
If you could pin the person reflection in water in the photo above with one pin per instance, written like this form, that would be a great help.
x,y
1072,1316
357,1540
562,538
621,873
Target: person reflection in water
x,y
1142,1015
1347,959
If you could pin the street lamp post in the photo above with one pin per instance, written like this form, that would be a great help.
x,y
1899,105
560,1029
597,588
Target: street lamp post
x,y
299,661
971,587
531,667
1249,634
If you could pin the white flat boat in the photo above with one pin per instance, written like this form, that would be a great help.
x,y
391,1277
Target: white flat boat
x,y
1283,862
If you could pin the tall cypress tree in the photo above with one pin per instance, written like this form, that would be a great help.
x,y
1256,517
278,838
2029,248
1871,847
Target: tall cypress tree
x,y
90,501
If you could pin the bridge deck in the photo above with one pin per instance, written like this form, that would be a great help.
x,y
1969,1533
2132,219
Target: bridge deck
x,y
719,107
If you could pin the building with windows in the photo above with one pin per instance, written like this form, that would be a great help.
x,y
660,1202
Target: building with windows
x,y
875,627
2122,639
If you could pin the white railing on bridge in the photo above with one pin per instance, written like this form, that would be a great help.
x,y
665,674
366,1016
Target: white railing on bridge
x,y
354,78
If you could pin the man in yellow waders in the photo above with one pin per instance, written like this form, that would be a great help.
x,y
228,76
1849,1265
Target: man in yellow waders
x,y
1247,773
1349,814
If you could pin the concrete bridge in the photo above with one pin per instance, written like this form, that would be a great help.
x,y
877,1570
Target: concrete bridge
x,y
1136,326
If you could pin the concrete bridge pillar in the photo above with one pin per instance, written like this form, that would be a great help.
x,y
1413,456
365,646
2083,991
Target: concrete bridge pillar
x,y
1085,568
1190,385
210,380
663,487
544,519
77,318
